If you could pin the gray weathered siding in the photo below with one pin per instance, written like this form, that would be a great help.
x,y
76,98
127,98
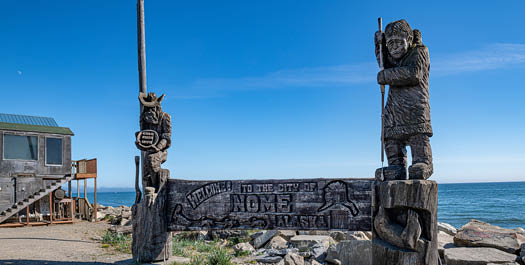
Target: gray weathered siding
x,y
37,168
19,178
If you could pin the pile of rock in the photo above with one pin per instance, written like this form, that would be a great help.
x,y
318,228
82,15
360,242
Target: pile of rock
x,y
119,217
286,247
481,243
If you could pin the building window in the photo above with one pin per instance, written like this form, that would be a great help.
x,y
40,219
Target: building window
x,y
21,147
54,151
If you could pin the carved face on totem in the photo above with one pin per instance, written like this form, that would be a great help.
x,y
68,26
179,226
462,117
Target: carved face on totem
x,y
152,107
151,115
399,38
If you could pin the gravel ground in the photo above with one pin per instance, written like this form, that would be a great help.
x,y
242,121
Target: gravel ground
x,y
58,244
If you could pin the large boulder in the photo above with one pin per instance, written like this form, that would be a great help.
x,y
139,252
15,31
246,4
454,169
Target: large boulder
x,y
277,242
358,235
481,234
477,256
293,259
262,239
306,242
444,241
350,252
287,234
447,228
243,247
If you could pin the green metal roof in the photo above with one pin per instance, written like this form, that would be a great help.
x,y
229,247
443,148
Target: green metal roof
x,y
26,119
35,128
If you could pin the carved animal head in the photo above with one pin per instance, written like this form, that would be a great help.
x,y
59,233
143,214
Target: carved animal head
x,y
399,38
152,107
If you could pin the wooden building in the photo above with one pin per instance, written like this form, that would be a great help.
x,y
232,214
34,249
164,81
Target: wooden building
x,y
35,162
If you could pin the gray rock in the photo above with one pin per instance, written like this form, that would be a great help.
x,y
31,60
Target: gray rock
x,y
481,234
306,242
125,230
338,235
279,252
477,256
333,261
226,234
126,214
358,235
101,215
287,234
268,259
522,253
444,241
244,247
319,252
256,234
447,228
277,242
350,252
293,259
315,262
264,238
314,232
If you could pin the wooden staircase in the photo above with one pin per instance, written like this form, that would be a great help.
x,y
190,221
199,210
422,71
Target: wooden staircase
x,y
21,205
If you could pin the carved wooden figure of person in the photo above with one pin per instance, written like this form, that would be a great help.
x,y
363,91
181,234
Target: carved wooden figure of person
x,y
154,138
407,111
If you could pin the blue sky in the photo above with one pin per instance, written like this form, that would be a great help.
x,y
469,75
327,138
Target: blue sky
x,y
267,89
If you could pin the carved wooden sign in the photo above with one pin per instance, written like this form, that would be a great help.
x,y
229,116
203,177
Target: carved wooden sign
x,y
295,204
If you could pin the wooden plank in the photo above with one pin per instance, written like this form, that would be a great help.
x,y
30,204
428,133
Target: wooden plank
x,y
12,225
85,175
51,207
295,204
95,196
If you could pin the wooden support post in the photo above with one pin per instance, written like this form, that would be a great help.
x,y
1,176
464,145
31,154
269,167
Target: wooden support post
x,y
95,199
51,207
27,215
78,189
72,202
85,188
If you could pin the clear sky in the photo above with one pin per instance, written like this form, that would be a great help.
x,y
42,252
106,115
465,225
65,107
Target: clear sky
x,y
267,89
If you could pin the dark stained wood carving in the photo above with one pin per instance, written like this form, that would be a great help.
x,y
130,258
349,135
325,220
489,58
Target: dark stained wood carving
x,y
296,204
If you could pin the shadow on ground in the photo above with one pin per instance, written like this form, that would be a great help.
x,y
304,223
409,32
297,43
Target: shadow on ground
x,y
51,262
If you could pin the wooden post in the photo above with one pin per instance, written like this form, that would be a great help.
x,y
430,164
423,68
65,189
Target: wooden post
x,y
71,202
51,207
141,49
141,36
85,189
95,198
27,215
78,190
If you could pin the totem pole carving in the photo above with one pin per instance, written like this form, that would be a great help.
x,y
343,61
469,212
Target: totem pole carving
x,y
151,238
154,138
405,212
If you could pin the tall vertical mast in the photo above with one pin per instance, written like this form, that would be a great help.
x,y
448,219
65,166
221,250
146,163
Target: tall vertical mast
x,y
141,46
141,41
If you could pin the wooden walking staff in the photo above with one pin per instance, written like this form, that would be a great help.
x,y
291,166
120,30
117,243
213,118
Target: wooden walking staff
x,y
381,67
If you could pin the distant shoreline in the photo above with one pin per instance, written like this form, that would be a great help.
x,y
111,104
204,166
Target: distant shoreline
x,y
132,189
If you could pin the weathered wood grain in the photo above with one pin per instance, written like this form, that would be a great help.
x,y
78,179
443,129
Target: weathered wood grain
x,y
300,204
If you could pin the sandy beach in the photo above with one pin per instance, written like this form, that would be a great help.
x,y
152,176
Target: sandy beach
x,y
58,244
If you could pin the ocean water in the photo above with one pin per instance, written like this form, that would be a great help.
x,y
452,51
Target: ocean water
x,y
501,204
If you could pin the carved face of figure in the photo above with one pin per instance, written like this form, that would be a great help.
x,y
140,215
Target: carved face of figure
x,y
397,46
150,115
